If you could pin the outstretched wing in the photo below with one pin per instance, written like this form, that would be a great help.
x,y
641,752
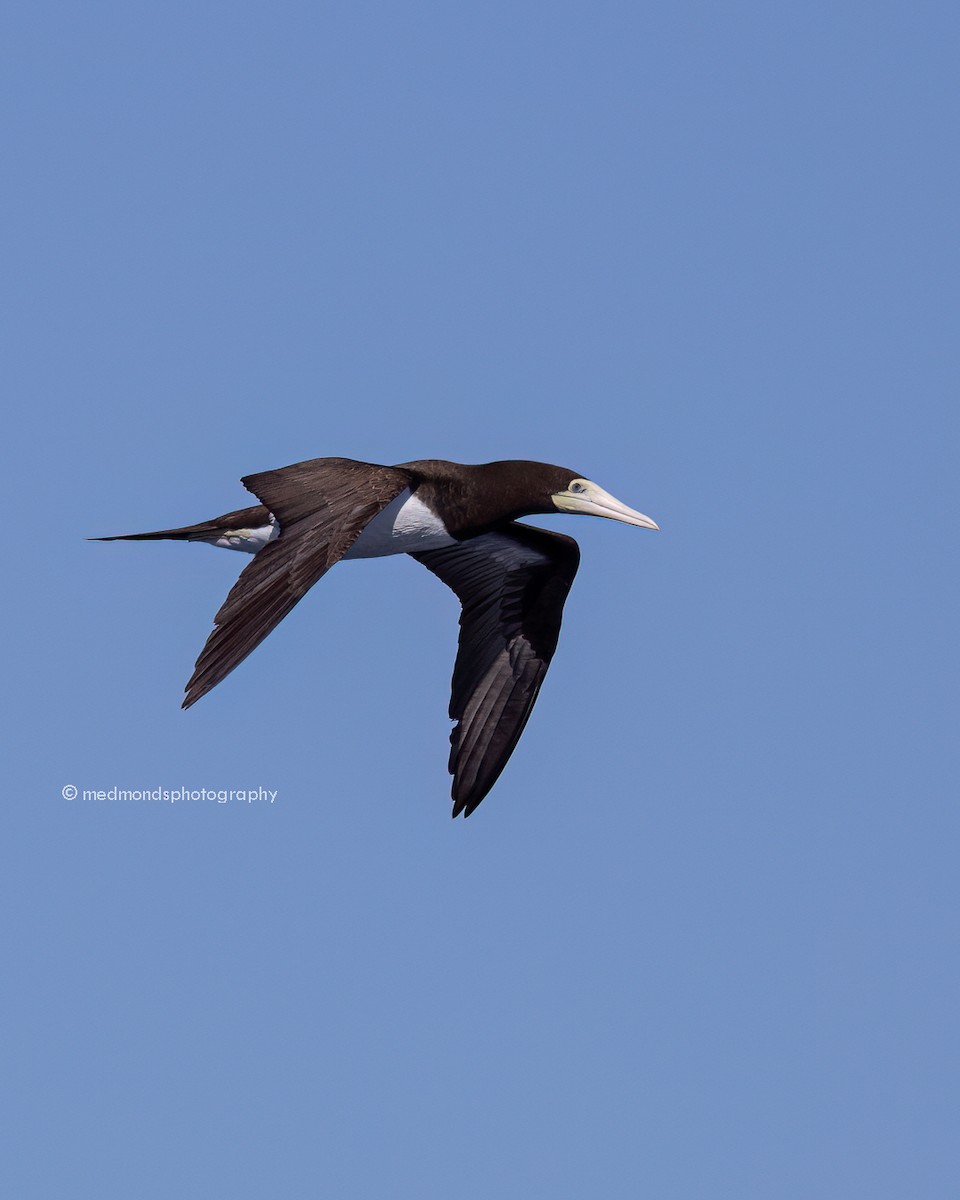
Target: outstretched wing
x,y
512,584
321,506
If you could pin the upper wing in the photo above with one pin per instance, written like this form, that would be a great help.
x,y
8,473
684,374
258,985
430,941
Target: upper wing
x,y
512,584
321,507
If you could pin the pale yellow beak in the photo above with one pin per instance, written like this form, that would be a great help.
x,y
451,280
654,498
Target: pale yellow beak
x,y
593,501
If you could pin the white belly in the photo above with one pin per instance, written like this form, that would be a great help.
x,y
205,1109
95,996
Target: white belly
x,y
405,525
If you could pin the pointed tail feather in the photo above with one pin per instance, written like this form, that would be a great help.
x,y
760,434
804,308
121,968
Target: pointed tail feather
x,y
231,522
160,535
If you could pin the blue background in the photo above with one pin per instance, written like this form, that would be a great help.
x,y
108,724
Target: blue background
x,y
701,938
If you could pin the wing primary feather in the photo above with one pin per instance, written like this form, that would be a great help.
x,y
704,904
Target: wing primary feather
x,y
512,583
321,506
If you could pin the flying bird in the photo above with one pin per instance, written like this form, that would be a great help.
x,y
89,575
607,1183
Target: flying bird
x,y
460,521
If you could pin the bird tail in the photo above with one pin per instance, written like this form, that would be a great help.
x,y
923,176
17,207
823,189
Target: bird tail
x,y
205,531
186,534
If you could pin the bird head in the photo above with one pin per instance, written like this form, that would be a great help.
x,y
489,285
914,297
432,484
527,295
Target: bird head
x,y
588,498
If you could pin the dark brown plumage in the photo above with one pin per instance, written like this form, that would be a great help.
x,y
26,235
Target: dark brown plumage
x,y
512,584
321,508
205,531
458,520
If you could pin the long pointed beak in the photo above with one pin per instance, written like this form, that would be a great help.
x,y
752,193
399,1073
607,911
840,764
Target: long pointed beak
x,y
598,503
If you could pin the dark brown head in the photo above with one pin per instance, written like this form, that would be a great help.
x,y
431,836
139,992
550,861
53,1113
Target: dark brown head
x,y
472,497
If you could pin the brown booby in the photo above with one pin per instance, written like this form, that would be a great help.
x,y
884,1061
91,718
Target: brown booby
x,y
460,521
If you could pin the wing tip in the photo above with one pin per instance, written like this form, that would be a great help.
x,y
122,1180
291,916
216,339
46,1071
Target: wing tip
x,y
197,687
465,805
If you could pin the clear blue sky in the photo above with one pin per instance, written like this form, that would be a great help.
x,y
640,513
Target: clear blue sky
x,y
700,941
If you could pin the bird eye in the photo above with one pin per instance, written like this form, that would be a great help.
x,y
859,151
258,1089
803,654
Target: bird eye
x,y
577,487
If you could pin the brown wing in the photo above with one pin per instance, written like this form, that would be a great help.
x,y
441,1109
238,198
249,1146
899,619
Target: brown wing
x,y
321,507
512,584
